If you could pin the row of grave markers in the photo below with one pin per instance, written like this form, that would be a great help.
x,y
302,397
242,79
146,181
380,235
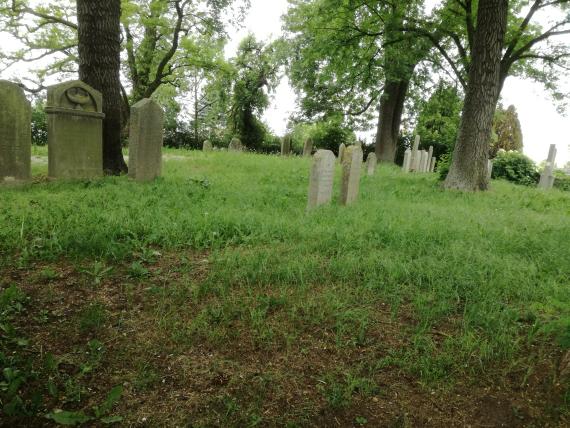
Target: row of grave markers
x,y
75,134
419,160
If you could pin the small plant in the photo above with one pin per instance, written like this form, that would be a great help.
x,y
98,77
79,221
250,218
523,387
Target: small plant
x,y
97,272
93,317
48,275
138,271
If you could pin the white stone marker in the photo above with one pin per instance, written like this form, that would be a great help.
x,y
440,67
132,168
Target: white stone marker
x,y
489,169
407,161
415,163
371,163
547,176
430,155
341,150
432,164
321,179
351,165
235,145
207,146
424,161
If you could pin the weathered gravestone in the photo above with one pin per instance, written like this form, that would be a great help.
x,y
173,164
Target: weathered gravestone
x,y
341,150
75,131
145,140
489,169
308,147
432,164
547,176
207,146
15,133
416,155
351,166
407,161
430,155
371,162
286,145
424,161
321,179
235,145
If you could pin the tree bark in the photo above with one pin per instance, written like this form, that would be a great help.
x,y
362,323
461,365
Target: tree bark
x,y
468,170
99,36
390,119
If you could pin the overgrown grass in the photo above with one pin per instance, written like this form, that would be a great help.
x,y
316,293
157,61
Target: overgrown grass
x,y
471,280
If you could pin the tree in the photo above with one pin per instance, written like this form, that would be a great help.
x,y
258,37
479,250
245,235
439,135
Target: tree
x,y
507,132
99,39
460,35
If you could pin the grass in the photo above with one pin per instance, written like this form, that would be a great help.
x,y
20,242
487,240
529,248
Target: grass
x,y
411,289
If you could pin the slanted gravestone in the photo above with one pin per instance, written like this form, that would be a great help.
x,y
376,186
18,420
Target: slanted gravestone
x,y
547,176
207,146
341,150
308,147
75,131
286,145
416,155
351,166
145,140
235,145
432,164
321,179
15,133
407,161
371,162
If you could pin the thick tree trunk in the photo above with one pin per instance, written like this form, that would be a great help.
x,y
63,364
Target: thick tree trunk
x,y
390,119
469,167
99,36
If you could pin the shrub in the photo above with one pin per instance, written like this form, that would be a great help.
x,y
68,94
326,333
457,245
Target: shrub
x,y
443,166
516,167
39,125
562,181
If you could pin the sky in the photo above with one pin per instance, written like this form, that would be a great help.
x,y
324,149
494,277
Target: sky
x,y
541,124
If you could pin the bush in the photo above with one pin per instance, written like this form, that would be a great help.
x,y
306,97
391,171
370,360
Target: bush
x,y
516,167
562,181
39,125
443,166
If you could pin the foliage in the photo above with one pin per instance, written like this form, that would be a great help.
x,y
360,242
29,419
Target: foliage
x,y
443,166
562,181
507,132
438,120
326,134
39,125
516,167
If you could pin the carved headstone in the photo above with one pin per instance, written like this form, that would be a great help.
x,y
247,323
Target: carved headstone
x,y
15,133
321,179
415,162
235,145
341,150
75,131
407,161
207,146
145,140
286,145
308,147
547,176
371,162
351,166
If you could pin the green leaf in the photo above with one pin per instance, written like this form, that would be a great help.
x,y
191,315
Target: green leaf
x,y
63,417
111,420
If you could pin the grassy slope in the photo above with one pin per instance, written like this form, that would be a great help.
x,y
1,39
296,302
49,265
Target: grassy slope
x,y
446,288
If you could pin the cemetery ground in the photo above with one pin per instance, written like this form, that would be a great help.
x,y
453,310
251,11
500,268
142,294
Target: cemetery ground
x,y
209,297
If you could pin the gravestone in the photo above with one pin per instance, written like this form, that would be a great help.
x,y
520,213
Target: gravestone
x,y
15,133
341,150
489,169
75,131
407,161
235,145
321,179
371,163
430,155
547,177
432,164
351,165
286,145
415,162
207,146
308,147
145,140
424,161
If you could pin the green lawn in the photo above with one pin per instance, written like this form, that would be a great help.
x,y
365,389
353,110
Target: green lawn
x,y
211,298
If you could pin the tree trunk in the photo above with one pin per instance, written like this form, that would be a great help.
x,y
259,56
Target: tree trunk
x,y
99,36
469,167
390,119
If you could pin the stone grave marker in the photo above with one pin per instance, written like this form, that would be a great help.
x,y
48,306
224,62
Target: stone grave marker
x,y
286,145
235,145
207,146
371,163
432,164
308,147
341,150
547,176
15,134
351,166
321,179
75,131
407,161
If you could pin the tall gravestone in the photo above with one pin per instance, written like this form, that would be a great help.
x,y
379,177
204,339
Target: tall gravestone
x,y
424,161
235,145
351,166
371,162
430,155
489,169
415,162
145,140
308,147
432,164
286,145
321,179
407,161
15,133
75,131
341,150
207,146
547,177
